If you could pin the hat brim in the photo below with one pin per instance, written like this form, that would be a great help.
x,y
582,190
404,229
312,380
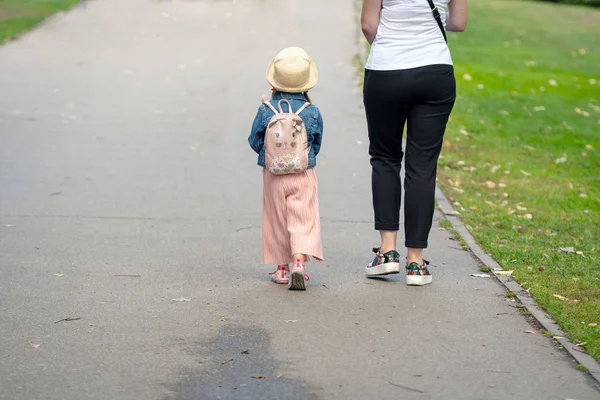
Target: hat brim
x,y
313,77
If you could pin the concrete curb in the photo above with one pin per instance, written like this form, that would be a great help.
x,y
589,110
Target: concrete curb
x,y
509,283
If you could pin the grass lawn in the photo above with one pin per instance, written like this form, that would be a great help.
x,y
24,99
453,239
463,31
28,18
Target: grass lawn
x,y
521,160
17,16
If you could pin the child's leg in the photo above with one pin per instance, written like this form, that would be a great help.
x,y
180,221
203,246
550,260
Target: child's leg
x,y
275,243
303,219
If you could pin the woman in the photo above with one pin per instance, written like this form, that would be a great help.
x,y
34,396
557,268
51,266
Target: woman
x,y
409,79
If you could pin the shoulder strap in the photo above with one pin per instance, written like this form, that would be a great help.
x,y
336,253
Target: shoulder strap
x,y
438,19
268,104
302,108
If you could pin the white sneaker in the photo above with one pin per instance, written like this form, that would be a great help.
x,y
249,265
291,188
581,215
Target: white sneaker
x,y
383,264
418,275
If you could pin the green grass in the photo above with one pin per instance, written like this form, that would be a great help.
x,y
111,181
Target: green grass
x,y
522,151
18,16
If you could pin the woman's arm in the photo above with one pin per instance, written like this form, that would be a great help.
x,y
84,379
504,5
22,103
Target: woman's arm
x,y
369,18
457,16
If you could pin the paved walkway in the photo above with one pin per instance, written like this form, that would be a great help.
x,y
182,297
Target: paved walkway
x,y
126,182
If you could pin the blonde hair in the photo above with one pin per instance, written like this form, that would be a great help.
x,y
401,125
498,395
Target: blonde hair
x,y
262,99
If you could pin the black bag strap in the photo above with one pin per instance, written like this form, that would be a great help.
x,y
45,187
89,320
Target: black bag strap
x,y
436,15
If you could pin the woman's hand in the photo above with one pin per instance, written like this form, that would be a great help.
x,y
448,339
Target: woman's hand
x,y
457,16
369,18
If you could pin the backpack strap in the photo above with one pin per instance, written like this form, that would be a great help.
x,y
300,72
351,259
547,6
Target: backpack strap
x,y
284,101
302,108
268,104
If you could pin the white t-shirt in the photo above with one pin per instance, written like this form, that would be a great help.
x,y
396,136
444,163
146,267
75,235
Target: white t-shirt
x,y
408,36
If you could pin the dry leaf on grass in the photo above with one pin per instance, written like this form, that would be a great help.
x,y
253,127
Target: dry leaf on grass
x,y
566,250
558,296
490,184
504,273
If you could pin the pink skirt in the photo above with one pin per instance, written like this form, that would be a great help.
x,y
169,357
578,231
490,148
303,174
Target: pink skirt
x,y
290,221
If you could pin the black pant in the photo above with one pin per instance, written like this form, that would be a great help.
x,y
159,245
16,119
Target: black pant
x,y
424,97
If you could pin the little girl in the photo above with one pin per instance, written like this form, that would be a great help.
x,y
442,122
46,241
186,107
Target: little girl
x,y
291,228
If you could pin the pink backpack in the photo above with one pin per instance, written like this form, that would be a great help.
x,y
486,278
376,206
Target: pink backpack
x,y
286,141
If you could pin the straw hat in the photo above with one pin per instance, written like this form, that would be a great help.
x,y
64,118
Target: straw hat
x,y
292,71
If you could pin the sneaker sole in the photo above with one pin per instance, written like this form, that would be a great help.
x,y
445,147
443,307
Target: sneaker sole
x,y
297,281
383,269
418,280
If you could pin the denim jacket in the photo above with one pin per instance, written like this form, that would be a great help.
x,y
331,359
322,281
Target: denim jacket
x,y
310,115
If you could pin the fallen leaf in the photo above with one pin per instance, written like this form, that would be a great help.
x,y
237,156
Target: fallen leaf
x,y
290,320
530,332
541,268
504,273
539,108
527,216
223,319
35,346
258,377
580,253
566,250
552,82
592,81
592,324
525,173
495,168
180,300
59,275
561,160
521,208
558,296
583,195
557,337
581,344
490,184
467,77
245,351
481,275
